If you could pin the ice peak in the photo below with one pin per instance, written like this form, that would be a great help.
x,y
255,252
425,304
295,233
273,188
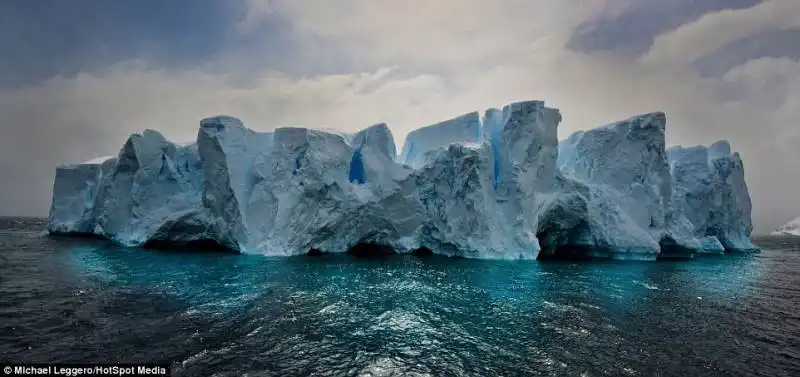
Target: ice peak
x,y
720,148
647,123
220,123
378,136
97,160
528,103
465,127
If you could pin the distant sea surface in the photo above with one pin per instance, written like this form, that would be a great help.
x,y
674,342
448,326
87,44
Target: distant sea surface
x,y
83,300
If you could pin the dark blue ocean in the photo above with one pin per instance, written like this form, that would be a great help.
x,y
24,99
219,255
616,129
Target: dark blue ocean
x,y
83,300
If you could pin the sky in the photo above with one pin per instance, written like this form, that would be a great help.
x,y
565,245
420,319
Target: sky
x,y
78,76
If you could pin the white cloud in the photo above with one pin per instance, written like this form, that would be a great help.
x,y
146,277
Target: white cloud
x,y
776,79
715,30
256,12
423,33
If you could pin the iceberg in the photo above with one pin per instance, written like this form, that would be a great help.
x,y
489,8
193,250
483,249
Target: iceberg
x,y
74,194
792,228
495,186
711,194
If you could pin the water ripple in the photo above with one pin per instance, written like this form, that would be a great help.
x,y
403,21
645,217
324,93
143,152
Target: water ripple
x,y
231,315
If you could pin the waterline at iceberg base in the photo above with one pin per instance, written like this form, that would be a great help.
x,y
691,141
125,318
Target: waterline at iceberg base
x,y
497,185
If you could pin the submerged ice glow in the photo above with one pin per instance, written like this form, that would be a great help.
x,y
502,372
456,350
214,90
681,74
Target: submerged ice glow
x,y
501,186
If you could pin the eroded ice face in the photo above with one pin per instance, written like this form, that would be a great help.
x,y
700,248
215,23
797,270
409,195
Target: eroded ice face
x,y
496,186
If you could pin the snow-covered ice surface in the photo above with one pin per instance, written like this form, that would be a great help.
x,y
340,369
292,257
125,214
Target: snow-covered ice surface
x,y
419,142
493,186
792,228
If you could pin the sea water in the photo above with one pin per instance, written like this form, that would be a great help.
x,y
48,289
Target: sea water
x,y
84,300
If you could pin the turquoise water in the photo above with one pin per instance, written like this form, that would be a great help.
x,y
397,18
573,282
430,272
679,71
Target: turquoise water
x,y
76,300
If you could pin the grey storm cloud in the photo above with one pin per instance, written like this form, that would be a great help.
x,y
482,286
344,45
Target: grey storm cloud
x,y
361,62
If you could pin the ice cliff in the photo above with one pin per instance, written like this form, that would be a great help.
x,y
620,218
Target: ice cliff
x,y
710,192
491,185
792,228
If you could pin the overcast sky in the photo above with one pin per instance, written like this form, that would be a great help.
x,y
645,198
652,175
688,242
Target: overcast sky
x,y
78,76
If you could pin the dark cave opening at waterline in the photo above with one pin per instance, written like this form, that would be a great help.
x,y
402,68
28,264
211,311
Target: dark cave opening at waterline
x,y
202,245
371,249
